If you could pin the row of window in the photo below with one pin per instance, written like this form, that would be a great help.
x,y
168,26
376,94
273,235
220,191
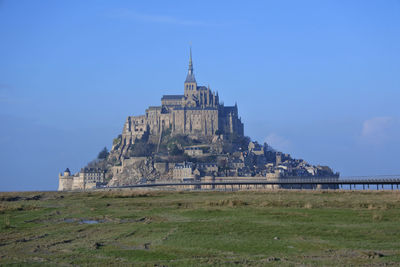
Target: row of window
x,y
94,178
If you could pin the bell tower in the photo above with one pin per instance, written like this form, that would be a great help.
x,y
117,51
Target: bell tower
x,y
190,82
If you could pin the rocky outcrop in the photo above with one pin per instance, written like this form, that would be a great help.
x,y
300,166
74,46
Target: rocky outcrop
x,y
134,170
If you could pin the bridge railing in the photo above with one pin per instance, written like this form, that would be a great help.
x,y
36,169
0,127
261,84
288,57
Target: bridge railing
x,y
286,182
313,181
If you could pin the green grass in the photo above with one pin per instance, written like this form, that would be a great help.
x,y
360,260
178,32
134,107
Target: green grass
x,y
252,228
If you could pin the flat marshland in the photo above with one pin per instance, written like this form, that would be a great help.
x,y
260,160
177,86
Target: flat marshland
x,y
161,228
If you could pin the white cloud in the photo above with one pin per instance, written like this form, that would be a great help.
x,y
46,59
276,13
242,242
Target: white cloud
x,y
124,13
377,130
277,142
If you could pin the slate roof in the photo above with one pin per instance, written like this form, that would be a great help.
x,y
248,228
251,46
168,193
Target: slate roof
x,y
196,108
154,107
190,78
171,97
230,109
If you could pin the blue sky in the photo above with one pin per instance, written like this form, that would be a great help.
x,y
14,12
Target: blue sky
x,y
316,79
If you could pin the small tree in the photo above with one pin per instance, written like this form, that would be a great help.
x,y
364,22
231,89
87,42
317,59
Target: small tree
x,y
103,154
174,150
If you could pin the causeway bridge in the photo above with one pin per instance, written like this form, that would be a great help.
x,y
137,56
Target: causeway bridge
x,y
377,182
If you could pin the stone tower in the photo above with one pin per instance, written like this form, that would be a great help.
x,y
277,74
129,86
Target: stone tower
x,y
190,82
67,172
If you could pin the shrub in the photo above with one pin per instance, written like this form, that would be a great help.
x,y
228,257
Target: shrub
x,y
142,149
117,141
174,150
103,154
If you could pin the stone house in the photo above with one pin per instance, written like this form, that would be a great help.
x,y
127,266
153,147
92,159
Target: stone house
x,y
208,168
193,151
183,170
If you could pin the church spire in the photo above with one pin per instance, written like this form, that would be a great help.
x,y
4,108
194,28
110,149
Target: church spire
x,y
190,76
190,62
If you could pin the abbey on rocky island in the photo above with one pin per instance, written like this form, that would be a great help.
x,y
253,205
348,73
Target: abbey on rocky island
x,y
189,137
197,113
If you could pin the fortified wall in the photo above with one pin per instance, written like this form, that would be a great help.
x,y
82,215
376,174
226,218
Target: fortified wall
x,y
87,178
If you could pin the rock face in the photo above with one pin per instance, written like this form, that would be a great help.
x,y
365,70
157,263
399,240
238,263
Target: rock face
x,y
134,171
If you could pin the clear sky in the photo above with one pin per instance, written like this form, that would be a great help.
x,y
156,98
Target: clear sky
x,y
317,79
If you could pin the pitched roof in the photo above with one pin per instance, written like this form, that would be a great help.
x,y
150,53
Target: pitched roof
x,y
196,108
167,97
190,78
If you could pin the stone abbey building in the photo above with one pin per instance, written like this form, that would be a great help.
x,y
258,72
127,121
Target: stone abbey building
x,y
197,113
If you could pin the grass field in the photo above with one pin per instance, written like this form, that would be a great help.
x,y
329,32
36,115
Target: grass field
x,y
158,228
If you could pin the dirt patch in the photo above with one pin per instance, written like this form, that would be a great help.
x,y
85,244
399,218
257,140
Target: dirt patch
x,y
18,198
127,194
227,203
66,241
184,205
23,240
130,234
145,246
170,232
371,254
